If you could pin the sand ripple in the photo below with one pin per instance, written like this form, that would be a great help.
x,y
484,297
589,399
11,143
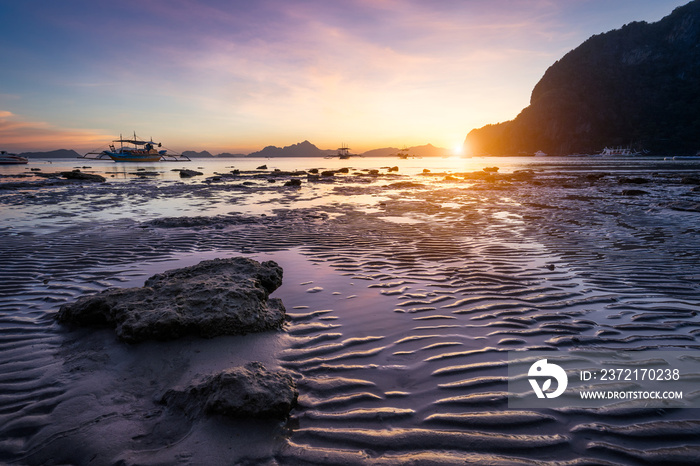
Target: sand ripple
x,y
398,332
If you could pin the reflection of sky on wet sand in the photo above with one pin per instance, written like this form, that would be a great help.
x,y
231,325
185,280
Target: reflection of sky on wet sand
x,y
128,194
166,194
403,300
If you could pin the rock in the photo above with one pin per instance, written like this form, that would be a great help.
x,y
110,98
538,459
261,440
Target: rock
x,y
425,170
144,173
634,192
262,167
186,173
328,173
637,180
78,175
405,185
314,171
250,391
293,182
344,170
393,169
490,169
236,172
271,180
214,297
373,172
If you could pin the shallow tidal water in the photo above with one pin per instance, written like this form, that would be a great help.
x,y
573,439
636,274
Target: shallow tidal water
x,y
405,291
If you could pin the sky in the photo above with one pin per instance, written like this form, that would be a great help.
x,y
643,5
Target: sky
x,y
236,76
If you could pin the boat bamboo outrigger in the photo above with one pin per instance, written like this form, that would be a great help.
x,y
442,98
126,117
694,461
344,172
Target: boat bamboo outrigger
x,y
403,153
138,151
7,158
343,153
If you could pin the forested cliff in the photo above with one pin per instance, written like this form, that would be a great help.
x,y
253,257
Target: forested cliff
x,y
637,86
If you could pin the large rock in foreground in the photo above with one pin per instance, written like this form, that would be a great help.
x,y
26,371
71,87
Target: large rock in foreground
x,y
250,391
214,297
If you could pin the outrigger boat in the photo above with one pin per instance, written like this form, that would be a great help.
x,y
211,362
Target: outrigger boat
x,y
11,159
343,153
139,151
403,153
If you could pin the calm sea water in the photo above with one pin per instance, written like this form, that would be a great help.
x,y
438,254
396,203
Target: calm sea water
x,y
410,166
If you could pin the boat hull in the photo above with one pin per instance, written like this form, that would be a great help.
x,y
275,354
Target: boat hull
x,y
133,157
13,161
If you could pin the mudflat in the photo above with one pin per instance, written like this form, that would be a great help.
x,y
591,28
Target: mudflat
x,y
404,291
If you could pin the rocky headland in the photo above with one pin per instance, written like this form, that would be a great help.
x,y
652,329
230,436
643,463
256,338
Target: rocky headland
x,y
634,86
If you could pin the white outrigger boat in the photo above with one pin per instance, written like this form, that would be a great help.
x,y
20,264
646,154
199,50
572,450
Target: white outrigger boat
x,y
138,151
7,158
343,153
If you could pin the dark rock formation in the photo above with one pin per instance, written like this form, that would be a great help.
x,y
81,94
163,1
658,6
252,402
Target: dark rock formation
x,y
186,173
635,180
293,182
636,86
80,176
250,391
215,297
634,192
262,167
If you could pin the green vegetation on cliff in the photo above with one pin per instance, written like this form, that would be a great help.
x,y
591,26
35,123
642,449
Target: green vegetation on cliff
x,y
637,86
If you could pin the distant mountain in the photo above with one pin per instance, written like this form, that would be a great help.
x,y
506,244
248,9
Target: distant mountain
x,y
636,86
427,150
54,154
383,152
193,154
302,149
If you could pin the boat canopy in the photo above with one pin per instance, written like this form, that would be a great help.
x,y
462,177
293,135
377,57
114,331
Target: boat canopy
x,y
136,142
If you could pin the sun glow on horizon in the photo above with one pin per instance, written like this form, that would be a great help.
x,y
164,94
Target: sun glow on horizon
x,y
237,78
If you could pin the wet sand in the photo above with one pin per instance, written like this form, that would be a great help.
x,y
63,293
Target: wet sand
x,y
404,290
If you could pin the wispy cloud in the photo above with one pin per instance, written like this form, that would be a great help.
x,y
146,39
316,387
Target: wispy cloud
x,y
18,134
235,74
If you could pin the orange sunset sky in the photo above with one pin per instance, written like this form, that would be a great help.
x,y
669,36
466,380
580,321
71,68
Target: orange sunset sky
x,y
236,76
